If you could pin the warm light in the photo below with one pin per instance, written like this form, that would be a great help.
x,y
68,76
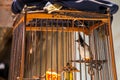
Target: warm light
x,y
52,76
31,51
87,58
18,78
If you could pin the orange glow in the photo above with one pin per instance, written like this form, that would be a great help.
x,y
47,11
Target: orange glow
x,y
31,51
87,58
52,76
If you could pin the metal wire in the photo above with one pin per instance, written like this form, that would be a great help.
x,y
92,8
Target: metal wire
x,y
62,47
46,61
52,40
75,38
41,52
56,51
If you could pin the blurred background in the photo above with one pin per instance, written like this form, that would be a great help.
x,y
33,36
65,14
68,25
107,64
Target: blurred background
x,y
6,21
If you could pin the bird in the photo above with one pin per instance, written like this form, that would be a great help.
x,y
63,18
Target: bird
x,y
84,48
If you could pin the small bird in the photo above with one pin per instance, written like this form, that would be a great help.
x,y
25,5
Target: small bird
x,y
84,48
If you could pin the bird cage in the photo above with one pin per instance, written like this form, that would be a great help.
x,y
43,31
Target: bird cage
x,y
62,45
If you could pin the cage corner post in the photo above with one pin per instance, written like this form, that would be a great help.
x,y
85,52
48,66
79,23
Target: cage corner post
x,y
18,50
111,46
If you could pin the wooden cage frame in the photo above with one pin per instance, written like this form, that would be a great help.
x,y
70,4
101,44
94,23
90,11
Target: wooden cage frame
x,y
24,18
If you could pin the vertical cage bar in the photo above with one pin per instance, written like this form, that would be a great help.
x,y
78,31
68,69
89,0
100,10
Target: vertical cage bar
x,y
111,48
